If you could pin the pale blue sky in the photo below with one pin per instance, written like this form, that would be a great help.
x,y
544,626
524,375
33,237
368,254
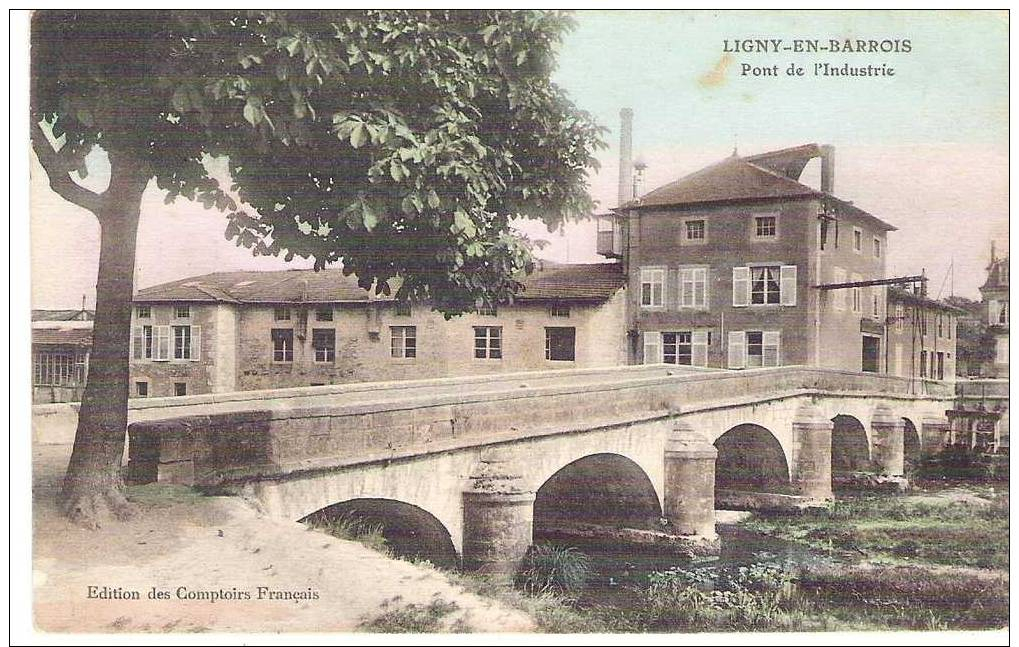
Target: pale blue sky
x,y
926,150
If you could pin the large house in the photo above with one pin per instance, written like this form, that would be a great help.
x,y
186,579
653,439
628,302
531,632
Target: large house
x,y
921,336
231,331
741,265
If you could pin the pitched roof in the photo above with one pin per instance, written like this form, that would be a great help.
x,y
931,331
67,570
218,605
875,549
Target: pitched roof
x,y
62,336
551,281
63,315
997,275
745,179
905,296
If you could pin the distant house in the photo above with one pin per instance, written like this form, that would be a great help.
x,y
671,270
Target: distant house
x,y
61,344
922,335
994,292
230,331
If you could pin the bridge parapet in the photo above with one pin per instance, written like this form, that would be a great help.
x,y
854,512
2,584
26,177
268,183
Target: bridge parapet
x,y
274,440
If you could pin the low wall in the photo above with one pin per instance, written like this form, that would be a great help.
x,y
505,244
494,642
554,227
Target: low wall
x,y
243,440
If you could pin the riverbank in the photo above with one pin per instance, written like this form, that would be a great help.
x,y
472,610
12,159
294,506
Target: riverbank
x,y
198,547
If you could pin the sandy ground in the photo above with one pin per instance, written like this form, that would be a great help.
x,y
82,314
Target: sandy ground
x,y
214,544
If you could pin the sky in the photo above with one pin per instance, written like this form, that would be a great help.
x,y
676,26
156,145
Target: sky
x,y
926,150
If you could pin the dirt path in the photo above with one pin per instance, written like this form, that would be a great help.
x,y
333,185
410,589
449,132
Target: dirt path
x,y
214,544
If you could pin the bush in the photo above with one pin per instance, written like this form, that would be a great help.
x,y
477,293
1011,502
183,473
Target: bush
x,y
352,528
961,462
557,570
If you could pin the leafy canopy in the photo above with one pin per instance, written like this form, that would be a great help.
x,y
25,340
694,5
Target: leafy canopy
x,y
401,142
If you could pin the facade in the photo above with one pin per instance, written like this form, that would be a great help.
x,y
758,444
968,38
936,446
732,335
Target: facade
x,y
922,335
61,344
740,265
994,293
234,331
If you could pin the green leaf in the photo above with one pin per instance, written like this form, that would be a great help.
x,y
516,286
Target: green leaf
x,y
359,135
253,111
433,199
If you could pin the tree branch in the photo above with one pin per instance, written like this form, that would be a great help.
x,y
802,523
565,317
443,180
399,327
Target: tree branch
x,y
60,179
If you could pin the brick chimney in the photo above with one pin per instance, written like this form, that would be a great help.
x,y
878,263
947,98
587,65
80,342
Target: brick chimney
x,y
828,168
625,156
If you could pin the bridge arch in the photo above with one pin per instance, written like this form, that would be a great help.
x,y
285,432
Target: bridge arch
x,y
850,447
605,489
409,531
750,459
911,445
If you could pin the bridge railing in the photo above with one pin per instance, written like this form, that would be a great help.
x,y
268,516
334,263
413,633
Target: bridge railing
x,y
272,439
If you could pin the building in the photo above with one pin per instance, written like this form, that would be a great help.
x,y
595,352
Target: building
x,y
61,344
922,335
740,265
994,298
232,331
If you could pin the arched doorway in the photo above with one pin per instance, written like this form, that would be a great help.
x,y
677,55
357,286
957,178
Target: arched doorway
x,y
602,490
409,531
850,451
750,459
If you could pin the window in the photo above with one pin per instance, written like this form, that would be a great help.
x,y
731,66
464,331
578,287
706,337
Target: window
x,y
900,317
182,342
764,286
323,314
323,341
182,312
877,247
693,287
1003,313
404,341
53,368
560,344
688,347
753,348
559,310
923,363
857,240
402,309
141,389
488,311
142,342
875,304
857,295
652,287
282,344
281,314
487,342
941,325
180,388
951,324
765,226
694,231
143,312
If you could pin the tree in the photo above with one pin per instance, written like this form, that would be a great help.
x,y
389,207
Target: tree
x,y
398,142
974,345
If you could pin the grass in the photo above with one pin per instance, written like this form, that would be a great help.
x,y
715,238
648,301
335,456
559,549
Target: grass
x,y
162,495
351,528
899,530
416,618
557,570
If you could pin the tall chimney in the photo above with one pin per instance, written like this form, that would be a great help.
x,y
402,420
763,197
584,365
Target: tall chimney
x,y
625,156
828,168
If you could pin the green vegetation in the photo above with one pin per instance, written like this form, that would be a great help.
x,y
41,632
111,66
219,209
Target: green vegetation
x,y
958,527
416,618
162,495
557,570
352,528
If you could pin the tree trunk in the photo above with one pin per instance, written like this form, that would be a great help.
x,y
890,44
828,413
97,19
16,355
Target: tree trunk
x,y
94,486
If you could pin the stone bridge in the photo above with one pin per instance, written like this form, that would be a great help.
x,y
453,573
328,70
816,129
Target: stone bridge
x,y
470,470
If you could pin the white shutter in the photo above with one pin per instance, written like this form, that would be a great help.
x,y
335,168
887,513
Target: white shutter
x,y
737,349
699,345
162,349
740,286
671,289
700,278
138,342
771,340
787,285
196,343
652,348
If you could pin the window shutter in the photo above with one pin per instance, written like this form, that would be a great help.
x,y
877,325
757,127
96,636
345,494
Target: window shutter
x,y
772,340
196,343
740,286
701,274
737,349
138,342
699,345
652,348
162,350
671,298
685,288
787,285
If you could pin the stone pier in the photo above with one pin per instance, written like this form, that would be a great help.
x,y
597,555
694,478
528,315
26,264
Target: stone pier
x,y
497,518
689,492
811,478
